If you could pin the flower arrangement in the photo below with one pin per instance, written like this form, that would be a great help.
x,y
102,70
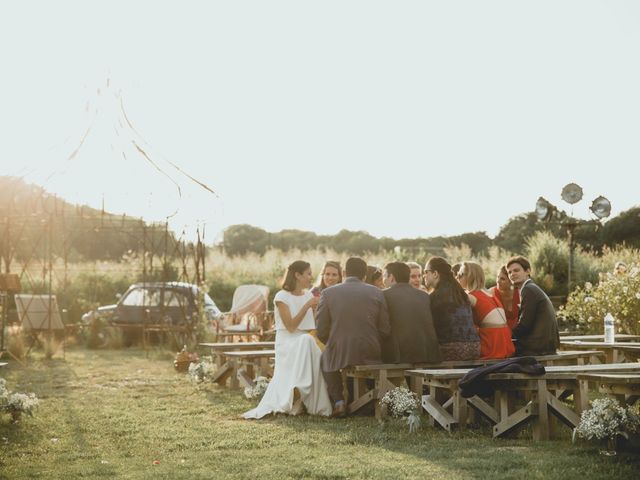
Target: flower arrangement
x,y
402,402
606,419
257,391
201,371
16,403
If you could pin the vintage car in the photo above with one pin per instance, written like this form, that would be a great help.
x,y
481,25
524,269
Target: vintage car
x,y
172,303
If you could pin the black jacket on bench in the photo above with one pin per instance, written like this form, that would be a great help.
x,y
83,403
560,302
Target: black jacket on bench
x,y
473,383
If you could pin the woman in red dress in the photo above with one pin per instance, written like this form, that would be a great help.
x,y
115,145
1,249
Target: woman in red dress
x,y
508,295
488,314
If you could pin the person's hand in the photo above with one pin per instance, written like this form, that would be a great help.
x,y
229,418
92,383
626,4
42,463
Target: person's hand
x,y
312,302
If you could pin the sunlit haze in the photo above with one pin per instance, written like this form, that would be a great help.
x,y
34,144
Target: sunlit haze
x,y
403,119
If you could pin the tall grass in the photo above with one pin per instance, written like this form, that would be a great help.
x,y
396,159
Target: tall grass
x,y
83,286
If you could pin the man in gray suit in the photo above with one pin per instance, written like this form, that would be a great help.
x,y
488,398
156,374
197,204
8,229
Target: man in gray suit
x,y
413,337
537,329
352,317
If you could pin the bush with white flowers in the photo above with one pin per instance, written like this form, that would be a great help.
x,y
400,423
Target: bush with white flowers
x,y
16,403
607,419
616,294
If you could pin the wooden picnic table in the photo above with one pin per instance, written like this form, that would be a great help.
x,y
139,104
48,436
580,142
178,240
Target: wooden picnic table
x,y
619,337
218,348
241,367
623,387
614,352
446,406
371,382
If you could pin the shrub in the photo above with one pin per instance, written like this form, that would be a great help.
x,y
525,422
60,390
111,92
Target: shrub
x,y
616,294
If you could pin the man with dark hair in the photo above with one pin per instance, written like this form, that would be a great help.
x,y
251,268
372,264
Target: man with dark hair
x,y
537,330
352,317
413,336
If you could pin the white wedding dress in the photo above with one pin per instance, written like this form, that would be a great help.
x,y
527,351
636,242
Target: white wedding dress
x,y
297,366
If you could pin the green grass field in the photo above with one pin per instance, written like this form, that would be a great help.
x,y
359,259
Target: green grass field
x,y
111,414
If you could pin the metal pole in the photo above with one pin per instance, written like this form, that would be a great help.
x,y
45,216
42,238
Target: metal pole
x,y
570,227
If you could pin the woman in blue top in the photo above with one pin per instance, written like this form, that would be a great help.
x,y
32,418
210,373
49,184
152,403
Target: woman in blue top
x,y
451,311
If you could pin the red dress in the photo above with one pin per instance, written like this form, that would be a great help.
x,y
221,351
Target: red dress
x,y
512,316
495,341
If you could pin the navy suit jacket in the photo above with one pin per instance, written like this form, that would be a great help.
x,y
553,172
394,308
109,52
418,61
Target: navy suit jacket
x,y
537,328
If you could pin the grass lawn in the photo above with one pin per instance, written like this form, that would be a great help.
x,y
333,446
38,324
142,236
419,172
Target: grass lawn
x,y
112,414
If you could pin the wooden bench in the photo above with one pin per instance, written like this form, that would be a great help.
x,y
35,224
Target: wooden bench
x,y
614,352
448,408
241,367
624,387
620,337
371,382
218,348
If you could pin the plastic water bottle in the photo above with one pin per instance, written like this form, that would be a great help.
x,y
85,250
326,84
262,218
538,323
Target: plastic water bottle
x,y
609,329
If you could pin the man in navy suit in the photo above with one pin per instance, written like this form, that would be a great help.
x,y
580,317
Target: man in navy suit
x,y
352,317
413,336
537,329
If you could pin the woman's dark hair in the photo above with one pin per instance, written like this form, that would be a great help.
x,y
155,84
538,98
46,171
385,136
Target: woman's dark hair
x,y
373,274
448,295
299,266
331,264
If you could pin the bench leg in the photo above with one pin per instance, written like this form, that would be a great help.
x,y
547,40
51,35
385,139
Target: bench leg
x,y
541,423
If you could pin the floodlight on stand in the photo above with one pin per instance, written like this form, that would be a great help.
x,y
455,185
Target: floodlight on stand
x,y
601,207
544,209
572,193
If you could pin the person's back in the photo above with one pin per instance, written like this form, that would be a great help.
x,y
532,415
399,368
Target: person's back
x,y
351,318
413,336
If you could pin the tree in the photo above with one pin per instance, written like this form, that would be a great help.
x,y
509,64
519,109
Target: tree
x,y
240,239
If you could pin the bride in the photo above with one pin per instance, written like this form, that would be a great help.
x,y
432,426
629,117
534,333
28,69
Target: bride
x,y
297,378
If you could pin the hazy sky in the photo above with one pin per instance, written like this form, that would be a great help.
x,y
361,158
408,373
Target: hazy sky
x,y
399,118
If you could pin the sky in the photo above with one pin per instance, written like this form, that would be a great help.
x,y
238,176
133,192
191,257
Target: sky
x,y
403,119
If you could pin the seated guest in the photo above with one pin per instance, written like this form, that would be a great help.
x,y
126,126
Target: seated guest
x,y
415,278
488,314
413,336
331,275
297,365
374,276
508,295
352,317
537,330
451,313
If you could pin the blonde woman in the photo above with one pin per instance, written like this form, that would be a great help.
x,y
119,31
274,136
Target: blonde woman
x,y
331,275
488,314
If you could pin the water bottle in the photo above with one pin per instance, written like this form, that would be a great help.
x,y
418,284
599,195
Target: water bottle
x,y
609,328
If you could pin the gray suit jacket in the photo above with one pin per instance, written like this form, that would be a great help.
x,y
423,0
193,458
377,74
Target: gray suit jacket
x,y
537,329
352,317
413,337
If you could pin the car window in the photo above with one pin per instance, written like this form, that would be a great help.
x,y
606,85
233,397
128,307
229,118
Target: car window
x,y
174,298
142,297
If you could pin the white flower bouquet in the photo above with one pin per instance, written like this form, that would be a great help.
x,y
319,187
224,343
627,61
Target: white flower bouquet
x,y
201,371
606,419
402,402
257,391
